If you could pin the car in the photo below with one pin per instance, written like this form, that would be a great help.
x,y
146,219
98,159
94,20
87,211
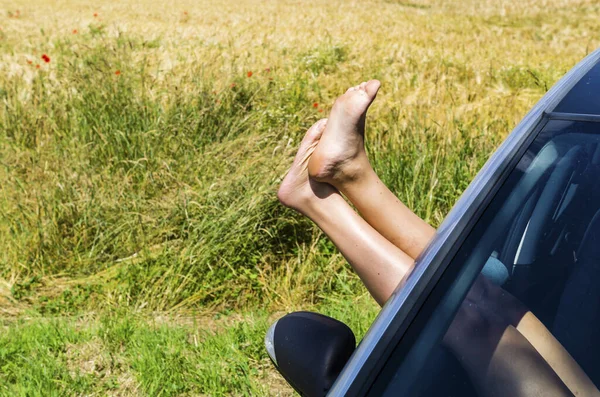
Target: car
x,y
529,221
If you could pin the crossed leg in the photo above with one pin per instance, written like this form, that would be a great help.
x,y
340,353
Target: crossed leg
x,y
381,247
378,262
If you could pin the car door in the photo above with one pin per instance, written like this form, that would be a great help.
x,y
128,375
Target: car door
x,y
552,275
528,228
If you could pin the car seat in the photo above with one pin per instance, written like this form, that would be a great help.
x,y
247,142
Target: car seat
x,y
577,322
539,270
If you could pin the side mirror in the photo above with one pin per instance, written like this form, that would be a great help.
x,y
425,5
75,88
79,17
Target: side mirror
x,y
309,350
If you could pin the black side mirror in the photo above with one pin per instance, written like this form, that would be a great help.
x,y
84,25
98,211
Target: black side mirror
x,y
309,350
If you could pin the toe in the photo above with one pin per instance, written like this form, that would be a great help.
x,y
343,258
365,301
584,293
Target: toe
x,y
371,87
310,141
363,85
314,133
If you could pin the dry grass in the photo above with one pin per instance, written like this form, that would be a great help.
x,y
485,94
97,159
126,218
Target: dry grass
x,y
90,358
454,45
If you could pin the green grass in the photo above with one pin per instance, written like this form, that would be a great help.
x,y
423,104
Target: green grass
x,y
142,247
140,355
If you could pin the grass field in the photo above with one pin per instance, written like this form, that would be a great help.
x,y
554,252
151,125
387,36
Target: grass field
x,y
142,248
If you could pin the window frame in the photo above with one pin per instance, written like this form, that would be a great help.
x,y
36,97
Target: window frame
x,y
390,326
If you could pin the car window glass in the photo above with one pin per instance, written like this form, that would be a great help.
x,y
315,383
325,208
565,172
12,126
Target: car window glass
x,y
583,98
535,249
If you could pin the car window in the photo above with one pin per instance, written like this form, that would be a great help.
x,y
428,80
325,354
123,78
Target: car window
x,y
583,98
535,248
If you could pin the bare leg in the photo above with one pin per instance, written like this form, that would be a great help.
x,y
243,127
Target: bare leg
x,y
498,359
493,299
340,160
379,263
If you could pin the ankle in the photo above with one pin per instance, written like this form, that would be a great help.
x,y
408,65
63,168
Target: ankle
x,y
355,175
307,199
296,200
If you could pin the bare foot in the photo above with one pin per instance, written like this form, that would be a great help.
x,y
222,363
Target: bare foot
x,y
340,155
298,190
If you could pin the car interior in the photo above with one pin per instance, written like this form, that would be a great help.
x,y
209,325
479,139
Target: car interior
x,y
544,227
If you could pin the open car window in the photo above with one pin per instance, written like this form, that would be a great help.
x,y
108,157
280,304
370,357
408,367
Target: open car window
x,y
535,248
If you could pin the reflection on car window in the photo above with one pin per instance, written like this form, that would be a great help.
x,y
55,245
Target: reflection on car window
x,y
533,307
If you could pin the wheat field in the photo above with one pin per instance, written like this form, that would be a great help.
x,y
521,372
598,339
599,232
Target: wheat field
x,y
142,247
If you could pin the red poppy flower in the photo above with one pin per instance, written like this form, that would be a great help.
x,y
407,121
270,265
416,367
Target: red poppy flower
x,y
46,58
29,61
249,74
75,31
95,15
320,110
315,105
117,72
37,66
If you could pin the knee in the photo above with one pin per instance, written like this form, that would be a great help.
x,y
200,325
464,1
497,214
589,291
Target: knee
x,y
476,325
